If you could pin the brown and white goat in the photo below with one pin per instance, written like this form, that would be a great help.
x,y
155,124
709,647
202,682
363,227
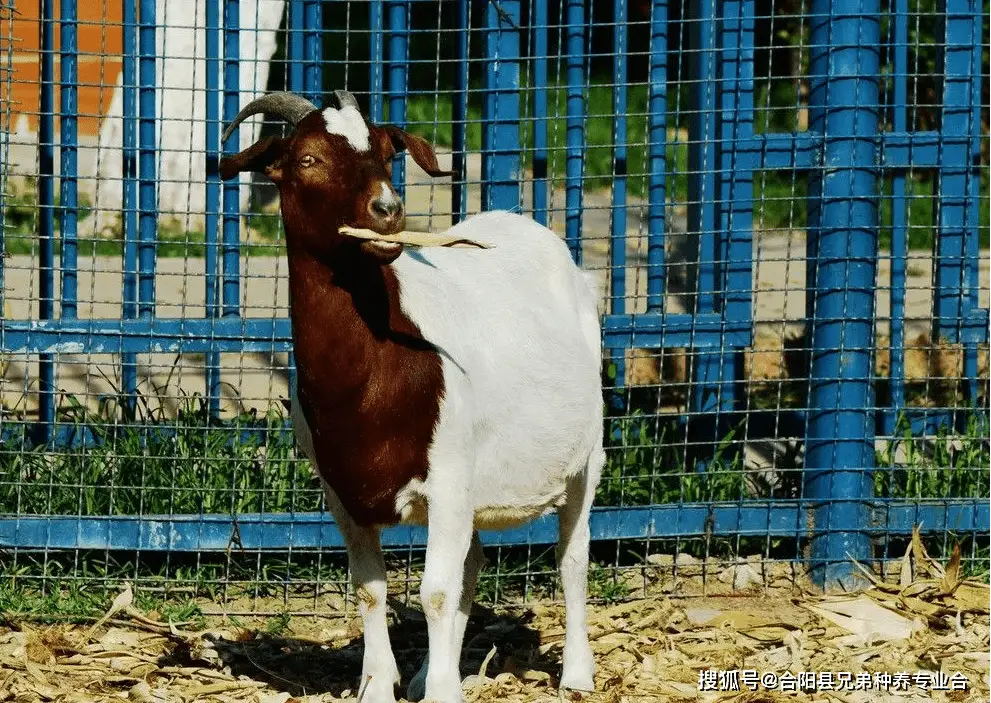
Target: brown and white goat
x,y
453,388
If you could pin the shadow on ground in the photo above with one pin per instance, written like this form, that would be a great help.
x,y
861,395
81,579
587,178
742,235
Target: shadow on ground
x,y
303,667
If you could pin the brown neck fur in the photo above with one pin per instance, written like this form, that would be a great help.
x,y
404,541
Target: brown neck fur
x,y
369,385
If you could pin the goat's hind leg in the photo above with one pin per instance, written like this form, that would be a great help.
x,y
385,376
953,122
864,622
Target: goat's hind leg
x,y
572,557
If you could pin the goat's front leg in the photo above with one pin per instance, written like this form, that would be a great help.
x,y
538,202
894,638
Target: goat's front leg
x,y
473,564
449,534
379,673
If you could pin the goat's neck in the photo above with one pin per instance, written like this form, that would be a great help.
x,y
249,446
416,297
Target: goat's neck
x,y
341,314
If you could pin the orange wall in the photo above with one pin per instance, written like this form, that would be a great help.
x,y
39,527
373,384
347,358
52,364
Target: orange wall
x,y
100,43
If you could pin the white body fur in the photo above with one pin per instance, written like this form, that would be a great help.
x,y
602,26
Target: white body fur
x,y
518,330
519,433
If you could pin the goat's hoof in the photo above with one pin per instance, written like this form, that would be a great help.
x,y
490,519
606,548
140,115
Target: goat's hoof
x,y
380,689
577,666
577,679
439,694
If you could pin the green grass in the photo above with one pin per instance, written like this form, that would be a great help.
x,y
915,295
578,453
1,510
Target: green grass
x,y
604,585
950,465
191,464
278,625
200,464
646,465
142,462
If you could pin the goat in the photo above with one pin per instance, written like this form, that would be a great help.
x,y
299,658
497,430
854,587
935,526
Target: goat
x,y
453,388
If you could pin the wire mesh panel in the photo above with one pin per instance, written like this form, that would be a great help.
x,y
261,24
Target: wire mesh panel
x,y
785,205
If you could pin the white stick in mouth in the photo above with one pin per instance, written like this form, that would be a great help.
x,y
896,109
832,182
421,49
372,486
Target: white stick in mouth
x,y
415,239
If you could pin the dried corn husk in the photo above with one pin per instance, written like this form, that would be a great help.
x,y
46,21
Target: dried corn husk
x,y
648,649
413,239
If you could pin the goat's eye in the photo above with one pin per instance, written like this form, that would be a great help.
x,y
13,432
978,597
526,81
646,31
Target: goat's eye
x,y
306,161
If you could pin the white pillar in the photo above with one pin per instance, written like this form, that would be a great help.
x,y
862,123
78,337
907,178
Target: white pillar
x,y
181,110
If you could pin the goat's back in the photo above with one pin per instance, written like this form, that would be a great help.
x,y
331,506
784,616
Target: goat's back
x,y
518,330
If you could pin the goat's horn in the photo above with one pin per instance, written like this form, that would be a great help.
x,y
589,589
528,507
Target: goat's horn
x,y
346,99
288,106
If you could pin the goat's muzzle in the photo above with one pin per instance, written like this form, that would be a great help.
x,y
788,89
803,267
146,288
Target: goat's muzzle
x,y
385,211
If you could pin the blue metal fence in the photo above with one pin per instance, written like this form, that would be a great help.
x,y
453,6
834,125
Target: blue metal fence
x,y
854,144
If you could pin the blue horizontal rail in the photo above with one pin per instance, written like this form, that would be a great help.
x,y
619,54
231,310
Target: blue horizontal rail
x,y
281,531
654,330
188,335
191,335
802,151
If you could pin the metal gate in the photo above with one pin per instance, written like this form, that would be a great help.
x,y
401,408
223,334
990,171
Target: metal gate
x,y
529,66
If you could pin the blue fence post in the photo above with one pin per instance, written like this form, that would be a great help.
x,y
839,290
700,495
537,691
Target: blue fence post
x,y
617,248
212,216
304,20
397,15
230,240
129,192
736,204
899,214
376,59
574,40
313,52
704,207
46,214
459,118
539,90
69,109
294,41
955,299
657,155
147,173
843,248
501,147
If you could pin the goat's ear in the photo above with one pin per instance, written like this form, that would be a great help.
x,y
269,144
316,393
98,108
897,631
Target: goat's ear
x,y
260,157
419,148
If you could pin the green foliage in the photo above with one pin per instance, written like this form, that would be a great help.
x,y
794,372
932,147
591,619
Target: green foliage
x,y
646,465
21,225
604,585
431,117
949,465
267,226
22,210
193,463
779,197
278,625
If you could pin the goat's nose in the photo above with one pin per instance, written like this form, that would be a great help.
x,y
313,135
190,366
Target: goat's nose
x,y
387,208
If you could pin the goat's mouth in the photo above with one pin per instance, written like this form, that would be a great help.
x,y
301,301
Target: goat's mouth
x,y
384,227
380,249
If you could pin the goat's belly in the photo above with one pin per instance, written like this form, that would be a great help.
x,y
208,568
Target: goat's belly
x,y
412,502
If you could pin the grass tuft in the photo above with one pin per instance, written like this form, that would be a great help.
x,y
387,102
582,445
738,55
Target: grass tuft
x,y
140,462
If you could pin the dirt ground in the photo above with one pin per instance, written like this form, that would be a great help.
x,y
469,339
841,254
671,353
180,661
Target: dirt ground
x,y
921,634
